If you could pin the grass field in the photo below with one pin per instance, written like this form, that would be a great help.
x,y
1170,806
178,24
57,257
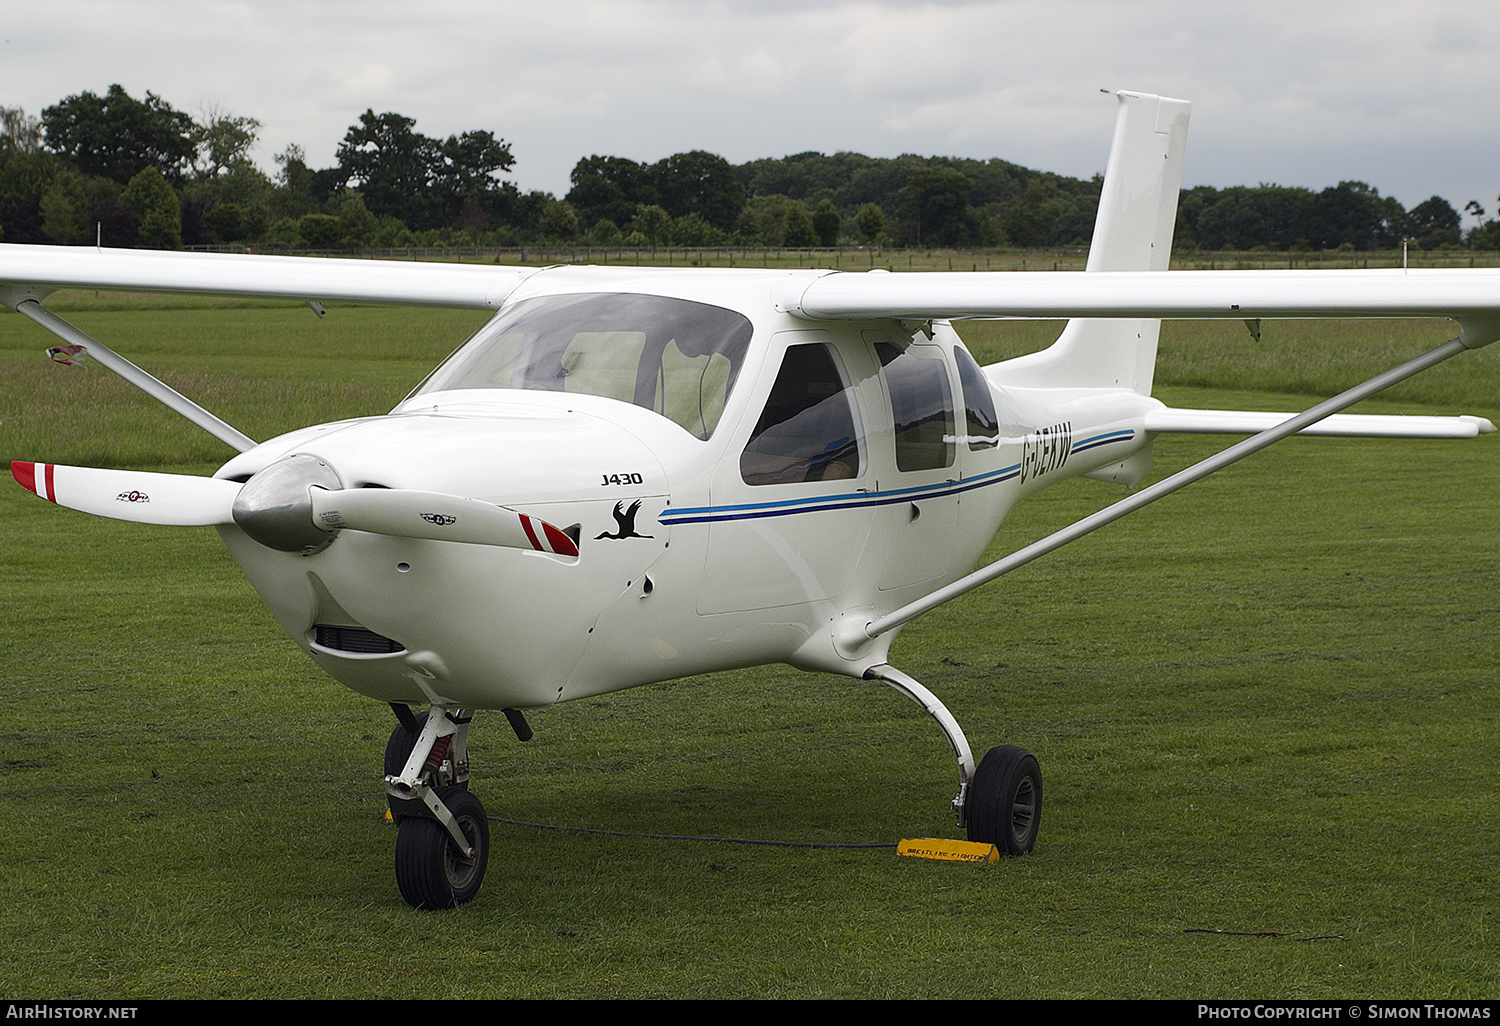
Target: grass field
x,y
1265,710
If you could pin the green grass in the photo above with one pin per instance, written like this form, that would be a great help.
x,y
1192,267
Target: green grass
x,y
1266,704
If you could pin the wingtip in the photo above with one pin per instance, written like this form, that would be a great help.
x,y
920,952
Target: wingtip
x,y
25,474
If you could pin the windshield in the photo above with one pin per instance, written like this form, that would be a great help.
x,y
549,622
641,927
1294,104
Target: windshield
x,y
675,357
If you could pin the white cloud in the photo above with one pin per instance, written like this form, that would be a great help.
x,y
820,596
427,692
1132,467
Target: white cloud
x,y
1397,93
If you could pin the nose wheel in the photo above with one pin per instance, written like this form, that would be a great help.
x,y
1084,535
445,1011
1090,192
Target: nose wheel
x,y
432,870
443,834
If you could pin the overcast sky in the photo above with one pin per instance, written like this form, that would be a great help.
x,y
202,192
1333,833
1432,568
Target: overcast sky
x,y
1402,94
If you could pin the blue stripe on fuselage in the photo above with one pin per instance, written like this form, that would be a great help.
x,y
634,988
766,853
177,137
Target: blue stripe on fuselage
x,y
862,499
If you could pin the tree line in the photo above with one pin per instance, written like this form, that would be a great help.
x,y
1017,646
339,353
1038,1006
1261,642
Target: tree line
x,y
138,173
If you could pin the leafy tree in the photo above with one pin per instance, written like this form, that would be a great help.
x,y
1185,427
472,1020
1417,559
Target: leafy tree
x,y
117,137
471,163
1356,213
392,166
80,208
765,220
357,225
421,181
691,229
1026,220
653,223
810,177
19,133
826,222
870,223
25,175
153,203
610,187
1030,218
935,203
24,180
604,233
1267,215
702,183
320,231
800,232
222,142
1433,223
1486,236
222,171
225,222
298,188
558,221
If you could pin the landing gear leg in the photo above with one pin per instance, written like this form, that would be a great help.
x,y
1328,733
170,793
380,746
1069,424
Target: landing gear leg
x,y
1000,801
443,839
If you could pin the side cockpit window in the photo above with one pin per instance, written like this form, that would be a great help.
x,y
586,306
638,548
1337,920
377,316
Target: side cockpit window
x,y
922,405
981,427
810,429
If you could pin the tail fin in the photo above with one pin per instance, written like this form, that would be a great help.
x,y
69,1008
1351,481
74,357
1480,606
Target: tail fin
x,y
1133,232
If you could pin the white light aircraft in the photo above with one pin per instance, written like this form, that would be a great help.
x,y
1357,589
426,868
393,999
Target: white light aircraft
x,y
629,476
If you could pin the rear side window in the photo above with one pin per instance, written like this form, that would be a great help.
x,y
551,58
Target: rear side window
x,y
809,430
922,405
981,427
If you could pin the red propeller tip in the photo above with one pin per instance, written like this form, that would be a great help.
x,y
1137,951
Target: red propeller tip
x,y
25,475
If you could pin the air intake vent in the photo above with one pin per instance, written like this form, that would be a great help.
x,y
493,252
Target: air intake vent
x,y
354,639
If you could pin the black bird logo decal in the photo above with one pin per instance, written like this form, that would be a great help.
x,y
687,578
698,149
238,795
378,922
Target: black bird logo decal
x,y
625,518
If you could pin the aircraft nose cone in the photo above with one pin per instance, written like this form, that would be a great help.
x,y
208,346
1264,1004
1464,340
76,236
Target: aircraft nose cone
x,y
275,508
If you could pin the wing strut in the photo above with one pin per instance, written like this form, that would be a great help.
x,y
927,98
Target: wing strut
x,y
1166,486
153,387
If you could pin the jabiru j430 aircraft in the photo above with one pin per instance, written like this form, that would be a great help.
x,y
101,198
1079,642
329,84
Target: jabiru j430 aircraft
x,y
653,473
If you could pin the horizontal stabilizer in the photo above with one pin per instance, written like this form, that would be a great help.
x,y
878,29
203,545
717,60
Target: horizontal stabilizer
x,y
173,500
1344,425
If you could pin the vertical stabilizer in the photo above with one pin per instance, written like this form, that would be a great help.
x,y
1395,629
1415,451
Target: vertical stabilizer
x,y
1133,232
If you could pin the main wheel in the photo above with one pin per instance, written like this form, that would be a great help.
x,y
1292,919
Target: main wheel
x,y
1004,807
430,869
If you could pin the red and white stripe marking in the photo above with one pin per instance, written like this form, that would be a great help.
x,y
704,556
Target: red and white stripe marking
x,y
36,477
546,538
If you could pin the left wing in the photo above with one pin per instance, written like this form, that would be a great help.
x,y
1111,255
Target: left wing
x,y
30,272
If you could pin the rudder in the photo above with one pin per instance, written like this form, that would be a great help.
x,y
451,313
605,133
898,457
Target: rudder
x,y
1133,232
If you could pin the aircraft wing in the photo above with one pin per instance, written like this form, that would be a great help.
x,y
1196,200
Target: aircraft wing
x,y
33,271
1469,296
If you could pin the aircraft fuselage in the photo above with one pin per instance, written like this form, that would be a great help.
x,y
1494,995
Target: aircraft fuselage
x,y
808,476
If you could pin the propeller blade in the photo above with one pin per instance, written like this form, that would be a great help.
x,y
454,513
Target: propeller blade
x,y
435,515
137,496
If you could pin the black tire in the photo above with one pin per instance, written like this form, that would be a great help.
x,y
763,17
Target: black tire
x,y
1004,807
431,871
